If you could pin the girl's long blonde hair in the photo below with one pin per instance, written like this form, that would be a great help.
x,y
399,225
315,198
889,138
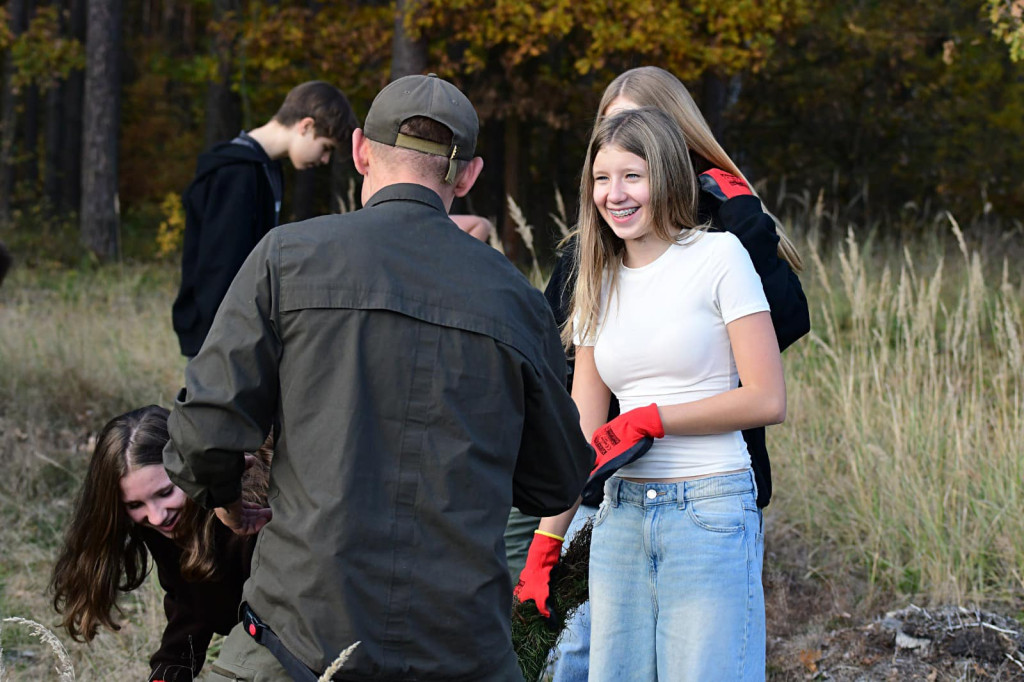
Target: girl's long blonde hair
x,y
650,86
650,134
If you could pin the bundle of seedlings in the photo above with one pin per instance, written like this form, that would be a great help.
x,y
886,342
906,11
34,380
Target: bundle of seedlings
x,y
533,635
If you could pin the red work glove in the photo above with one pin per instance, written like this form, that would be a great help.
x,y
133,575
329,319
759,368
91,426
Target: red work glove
x,y
723,186
622,433
535,579
619,442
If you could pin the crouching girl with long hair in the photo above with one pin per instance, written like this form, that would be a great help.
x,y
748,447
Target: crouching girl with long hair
x,y
127,512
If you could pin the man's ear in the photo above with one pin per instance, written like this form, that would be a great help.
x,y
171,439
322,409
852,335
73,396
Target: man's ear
x,y
464,182
360,152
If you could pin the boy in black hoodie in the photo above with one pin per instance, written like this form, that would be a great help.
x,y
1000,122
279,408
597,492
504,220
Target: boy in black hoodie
x,y
235,198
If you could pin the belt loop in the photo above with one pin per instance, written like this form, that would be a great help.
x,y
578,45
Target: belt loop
x,y
681,495
613,491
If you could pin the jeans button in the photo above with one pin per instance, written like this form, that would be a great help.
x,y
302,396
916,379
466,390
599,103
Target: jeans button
x,y
651,494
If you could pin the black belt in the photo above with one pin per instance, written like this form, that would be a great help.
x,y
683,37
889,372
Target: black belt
x,y
262,633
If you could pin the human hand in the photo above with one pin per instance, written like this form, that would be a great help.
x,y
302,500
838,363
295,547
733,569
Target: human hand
x,y
722,185
474,225
535,578
244,518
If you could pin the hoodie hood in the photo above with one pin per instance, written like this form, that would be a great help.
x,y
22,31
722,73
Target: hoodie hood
x,y
226,154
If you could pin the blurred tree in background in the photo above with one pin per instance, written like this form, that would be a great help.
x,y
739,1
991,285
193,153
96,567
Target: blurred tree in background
x,y
883,105
890,103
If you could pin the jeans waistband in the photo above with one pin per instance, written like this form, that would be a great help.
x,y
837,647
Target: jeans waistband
x,y
618,490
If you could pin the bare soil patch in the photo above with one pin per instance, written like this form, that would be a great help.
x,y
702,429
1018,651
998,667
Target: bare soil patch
x,y
819,629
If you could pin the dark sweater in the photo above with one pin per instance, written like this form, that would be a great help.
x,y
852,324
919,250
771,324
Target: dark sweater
x,y
228,208
196,610
744,217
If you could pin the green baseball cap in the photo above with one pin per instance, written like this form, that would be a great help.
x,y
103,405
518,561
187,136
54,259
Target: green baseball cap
x,y
430,97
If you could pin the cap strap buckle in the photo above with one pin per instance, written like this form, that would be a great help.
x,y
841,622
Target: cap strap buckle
x,y
434,148
449,178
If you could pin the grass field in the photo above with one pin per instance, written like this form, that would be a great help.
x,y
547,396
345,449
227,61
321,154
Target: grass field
x,y
898,468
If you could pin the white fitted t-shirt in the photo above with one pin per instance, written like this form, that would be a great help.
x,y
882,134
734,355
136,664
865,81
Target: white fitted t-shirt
x,y
662,339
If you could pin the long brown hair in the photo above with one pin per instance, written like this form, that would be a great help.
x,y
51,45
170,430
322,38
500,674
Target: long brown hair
x,y
650,134
103,553
650,86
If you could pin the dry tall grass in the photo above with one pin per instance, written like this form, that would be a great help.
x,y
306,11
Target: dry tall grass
x,y
900,458
75,349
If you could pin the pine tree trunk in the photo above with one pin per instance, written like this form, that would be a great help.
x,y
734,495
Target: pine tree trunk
x,y
510,239
17,13
28,165
74,97
407,56
100,213
54,138
223,107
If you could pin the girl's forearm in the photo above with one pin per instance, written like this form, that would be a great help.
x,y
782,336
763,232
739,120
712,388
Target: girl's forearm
x,y
741,408
558,525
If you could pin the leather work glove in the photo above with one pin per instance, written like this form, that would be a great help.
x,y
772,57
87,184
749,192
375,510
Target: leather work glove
x,y
619,442
535,578
722,185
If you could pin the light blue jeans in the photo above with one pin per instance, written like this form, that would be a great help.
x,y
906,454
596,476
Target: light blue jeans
x,y
675,582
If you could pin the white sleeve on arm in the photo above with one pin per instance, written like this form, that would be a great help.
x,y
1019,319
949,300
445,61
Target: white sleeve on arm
x,y
736,289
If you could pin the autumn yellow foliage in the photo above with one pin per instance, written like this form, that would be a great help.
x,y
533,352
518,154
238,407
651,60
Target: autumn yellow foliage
x,y
171,233
1007,17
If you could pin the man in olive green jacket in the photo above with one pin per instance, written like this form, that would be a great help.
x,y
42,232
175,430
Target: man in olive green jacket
x,y
415,382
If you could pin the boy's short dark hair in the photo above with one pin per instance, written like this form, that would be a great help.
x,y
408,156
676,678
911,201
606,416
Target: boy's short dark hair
x,y
327,105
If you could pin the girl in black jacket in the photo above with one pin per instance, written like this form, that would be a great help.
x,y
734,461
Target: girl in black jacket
x,y
128,511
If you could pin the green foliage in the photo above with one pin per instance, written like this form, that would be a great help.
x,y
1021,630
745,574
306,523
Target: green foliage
x,y
1007,18
140,231
161,130
546,53
685,38
5,29
910,100
41,55
911,97
39,237
283,44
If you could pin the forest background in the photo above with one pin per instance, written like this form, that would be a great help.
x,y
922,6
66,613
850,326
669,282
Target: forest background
x,y
893,109
886,135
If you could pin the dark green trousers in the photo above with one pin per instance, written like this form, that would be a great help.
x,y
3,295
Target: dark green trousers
x,y
518,536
